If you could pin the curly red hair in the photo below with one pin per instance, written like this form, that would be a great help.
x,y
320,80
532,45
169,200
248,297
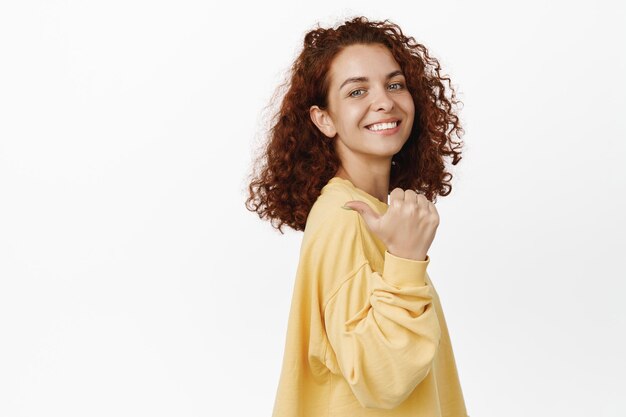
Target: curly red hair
x,y
296,162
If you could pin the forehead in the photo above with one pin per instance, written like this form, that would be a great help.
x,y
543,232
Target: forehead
x,y
371,61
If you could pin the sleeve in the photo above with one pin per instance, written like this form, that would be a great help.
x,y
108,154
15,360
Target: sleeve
x,y
383,330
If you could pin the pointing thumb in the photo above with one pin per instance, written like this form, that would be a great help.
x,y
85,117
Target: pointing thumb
x,y
368,214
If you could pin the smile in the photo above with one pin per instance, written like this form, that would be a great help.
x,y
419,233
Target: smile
x,y
385,129
383,126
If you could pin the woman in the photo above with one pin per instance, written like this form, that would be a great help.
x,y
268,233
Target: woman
x,y
365,112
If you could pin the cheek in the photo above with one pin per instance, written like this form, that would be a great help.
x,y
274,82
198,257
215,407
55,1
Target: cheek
x,y
352,117
409,106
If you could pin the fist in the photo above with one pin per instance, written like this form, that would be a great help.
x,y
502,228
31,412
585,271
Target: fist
x,y
408,226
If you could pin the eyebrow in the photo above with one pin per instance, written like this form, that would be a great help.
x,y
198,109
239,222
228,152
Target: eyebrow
x,y
363,79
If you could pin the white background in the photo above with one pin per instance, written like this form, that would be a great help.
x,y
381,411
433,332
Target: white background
x,y
134,282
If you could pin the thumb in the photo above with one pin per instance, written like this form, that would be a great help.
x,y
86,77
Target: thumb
x,y
368,214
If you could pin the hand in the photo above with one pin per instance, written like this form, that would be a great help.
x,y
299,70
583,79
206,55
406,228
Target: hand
x,y
408,226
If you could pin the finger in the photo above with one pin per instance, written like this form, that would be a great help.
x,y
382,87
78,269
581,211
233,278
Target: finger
x,y
370,217
422,200
396,197
411,196
431,207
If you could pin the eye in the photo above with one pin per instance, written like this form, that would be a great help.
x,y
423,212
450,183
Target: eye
x,y
354,91
400,86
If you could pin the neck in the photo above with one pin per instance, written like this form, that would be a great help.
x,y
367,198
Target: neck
x,y
375,184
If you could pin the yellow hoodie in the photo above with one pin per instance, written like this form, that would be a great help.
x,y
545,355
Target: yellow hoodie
x,y
366,335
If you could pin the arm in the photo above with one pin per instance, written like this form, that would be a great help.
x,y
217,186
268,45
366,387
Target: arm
x,y
383,330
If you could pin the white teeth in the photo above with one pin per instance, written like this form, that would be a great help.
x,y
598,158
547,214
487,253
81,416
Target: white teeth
x,y
383,126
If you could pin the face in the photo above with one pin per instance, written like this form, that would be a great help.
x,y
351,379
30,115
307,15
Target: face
x,y
366,87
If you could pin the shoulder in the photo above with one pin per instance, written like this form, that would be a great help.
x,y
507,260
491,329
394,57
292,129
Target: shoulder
x,y
332,250
337,243
326,214
333,245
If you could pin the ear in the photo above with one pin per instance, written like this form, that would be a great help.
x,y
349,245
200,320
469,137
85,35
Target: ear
x,y
323,121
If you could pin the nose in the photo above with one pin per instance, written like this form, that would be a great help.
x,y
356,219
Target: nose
x,y
382,101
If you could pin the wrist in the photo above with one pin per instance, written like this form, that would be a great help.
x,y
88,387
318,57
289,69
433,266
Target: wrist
x,y
416,256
